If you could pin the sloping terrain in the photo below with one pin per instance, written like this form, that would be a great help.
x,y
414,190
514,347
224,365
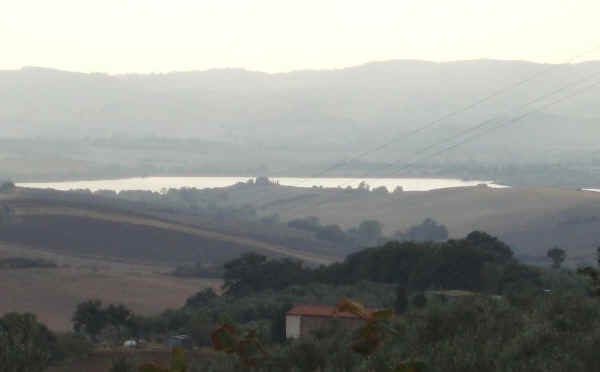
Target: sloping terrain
x,y
53,293
94,227
531,220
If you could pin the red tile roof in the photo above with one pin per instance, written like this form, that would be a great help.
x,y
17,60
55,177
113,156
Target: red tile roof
x,y
321,311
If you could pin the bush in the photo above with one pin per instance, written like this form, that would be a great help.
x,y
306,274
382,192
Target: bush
x,y
25,344
419,300
7,187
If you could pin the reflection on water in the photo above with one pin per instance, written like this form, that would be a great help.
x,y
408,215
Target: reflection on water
x,y
160,183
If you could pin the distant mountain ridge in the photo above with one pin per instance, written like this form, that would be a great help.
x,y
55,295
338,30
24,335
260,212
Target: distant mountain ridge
x,y
344,110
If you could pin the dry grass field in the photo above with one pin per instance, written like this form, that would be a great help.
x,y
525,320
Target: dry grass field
x,y
53,294
531,220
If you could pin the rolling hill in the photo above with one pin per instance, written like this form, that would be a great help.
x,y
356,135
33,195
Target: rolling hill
x,y
93,226
531,220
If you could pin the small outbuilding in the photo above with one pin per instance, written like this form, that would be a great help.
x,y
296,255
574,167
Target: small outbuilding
x,y
301,320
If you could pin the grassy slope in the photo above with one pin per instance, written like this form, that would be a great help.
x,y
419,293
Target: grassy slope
x,y
530,219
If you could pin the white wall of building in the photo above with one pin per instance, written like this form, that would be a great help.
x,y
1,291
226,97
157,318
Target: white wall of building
x,y
292,326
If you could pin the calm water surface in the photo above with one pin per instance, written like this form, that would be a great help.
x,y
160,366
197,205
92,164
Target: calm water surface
x,y
159,183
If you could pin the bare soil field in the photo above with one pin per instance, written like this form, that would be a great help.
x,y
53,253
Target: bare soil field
x,y
97,226
52,294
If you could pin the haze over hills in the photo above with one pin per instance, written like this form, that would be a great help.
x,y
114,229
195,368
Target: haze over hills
x,y
345,107
65,125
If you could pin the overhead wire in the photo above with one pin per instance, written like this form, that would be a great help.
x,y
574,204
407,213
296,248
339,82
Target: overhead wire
x,y
501,125
449,115
490,121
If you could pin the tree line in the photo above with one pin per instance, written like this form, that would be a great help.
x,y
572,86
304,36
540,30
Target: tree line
x,y
478,262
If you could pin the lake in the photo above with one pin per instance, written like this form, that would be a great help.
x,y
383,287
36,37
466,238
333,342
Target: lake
x,y
159,183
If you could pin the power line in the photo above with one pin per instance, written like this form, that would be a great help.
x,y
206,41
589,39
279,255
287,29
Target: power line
x,y
485,123
448,115
499,126
489,121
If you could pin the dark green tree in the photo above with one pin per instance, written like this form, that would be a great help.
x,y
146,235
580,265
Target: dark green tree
x,y
368,232
7,187
428,230
401,303
120,318
201,298
419,300
240,273
558,256
25,344
89,318
332,233
253,272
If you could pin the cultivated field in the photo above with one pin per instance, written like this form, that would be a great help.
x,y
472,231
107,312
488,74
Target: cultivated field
x,y
53,294
104,227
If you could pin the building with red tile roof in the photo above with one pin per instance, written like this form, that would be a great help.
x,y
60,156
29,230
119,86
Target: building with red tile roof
x,y
301,320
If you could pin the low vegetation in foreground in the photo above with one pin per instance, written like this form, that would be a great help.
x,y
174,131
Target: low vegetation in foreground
x,y
507,316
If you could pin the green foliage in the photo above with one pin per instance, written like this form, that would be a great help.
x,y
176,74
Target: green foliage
x,y
455,264
558,256
90,318
368,232
428,230
478,262
7,187
253,272
552,333
419,300
369,335
25,344
401,303
593,276
245,345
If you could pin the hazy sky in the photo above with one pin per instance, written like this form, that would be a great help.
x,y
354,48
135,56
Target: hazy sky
x,y
117,36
